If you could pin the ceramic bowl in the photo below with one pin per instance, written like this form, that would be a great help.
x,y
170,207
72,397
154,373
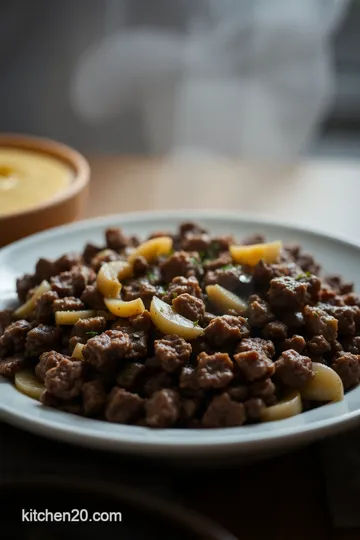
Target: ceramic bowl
x,y
66,206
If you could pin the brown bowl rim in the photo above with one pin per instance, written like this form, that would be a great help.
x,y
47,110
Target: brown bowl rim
x,y
62,152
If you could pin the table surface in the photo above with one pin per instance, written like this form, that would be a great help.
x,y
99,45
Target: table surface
x,y
321,194
282,497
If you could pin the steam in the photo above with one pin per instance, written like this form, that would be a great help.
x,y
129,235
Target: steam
x,y
245,79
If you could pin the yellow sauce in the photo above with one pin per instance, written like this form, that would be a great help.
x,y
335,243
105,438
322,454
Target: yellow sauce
x,y
29,178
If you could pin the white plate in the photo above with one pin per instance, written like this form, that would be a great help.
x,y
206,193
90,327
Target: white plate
x,y
337,255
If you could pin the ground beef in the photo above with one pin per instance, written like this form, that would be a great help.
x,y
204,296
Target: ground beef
x,y
44,308
208,317
219,244
253,239
238,392
172,352
214,371
259,313
275,330
71,283
224,259
47,361
254,407
188,380
256,344
67,262
69,303
92,298
139,288
105,256
181,263
314,287
296,342
140,266
345,315
263,273
224,412
106,350
226,329
14,337
24,285
65,380
189,307
87,328
224,377
318,322
190,227
336,282
11,365
347,366
115,239
157,382
254,364
227,276
138,342
123,407
93,397
318,345
90,252
351,299
352,344
162,409
294,320
42,338
130,375
292,369
265,390
308,264
188,408
287,293
6,318
181,285
142,321
44,269
195,242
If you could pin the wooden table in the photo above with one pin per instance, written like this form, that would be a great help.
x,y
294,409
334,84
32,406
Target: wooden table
x,y
323,194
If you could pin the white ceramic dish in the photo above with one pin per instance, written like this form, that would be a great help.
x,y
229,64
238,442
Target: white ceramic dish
x,y
337,255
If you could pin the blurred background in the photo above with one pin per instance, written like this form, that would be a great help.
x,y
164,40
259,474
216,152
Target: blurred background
x,y
264,77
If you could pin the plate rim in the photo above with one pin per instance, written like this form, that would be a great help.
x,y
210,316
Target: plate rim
x,y
124,442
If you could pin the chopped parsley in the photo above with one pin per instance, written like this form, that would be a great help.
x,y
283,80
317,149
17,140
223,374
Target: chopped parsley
x,y
303,276
227,267
214,250
196,323
174,294
194,260
151,275
92,333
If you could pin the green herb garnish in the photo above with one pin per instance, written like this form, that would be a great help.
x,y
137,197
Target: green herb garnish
x,y
303,276
92,333
151,275
196,323
227,267
174,294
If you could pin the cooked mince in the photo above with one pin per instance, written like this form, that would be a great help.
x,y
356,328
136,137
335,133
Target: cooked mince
x,y
230,364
